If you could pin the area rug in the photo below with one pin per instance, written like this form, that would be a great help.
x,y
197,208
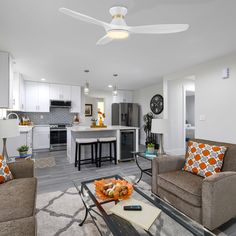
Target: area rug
x,y
59,213
44,162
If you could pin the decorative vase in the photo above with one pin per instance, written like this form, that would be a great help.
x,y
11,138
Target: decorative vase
x,y
150,150
100,122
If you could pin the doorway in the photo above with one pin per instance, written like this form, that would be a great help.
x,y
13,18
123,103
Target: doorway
x,y
189,127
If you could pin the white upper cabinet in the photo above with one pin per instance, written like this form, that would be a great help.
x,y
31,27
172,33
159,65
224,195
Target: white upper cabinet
x,y
18,92
43,97
75,99
36,97
6,77
60,92
22,94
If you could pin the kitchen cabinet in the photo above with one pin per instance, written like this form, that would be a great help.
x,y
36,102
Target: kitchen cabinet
x,y
6,78
18,92
75,99
22,94
123,96
36,97
41,137
60,92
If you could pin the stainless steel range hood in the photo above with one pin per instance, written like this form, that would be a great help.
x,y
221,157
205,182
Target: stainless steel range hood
x,y
60,103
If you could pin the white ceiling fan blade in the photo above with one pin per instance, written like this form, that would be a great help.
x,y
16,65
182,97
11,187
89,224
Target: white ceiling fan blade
x,y
159,29
104,40
83,17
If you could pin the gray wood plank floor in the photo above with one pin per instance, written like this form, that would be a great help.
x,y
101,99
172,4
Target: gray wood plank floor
x,y
62,175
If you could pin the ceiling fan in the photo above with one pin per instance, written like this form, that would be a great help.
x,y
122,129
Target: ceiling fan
x,y
118,29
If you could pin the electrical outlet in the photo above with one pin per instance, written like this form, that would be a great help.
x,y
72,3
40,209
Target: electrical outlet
x,y
41,117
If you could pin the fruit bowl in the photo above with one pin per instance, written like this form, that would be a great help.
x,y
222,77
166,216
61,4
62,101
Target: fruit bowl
x,y
113,189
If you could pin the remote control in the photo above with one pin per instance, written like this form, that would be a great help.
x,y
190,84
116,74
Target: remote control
x,y
133,208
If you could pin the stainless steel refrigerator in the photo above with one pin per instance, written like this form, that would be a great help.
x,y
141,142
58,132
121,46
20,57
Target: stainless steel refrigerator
x,y
125,114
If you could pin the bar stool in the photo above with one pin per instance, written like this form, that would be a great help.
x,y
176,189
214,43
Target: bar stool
x,y
85,142
111,141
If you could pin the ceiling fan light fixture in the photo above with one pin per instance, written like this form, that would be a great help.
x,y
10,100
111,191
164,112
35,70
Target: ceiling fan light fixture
x,y
118,34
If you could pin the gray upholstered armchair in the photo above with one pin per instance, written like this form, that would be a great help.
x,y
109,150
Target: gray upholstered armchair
x,y
210,201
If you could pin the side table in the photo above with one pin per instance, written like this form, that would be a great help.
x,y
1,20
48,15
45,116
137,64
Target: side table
x,y
147,171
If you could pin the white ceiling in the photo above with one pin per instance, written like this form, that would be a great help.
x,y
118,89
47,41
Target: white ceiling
x,y
46,43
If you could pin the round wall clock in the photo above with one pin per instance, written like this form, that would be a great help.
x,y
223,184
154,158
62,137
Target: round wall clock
x,y
157,104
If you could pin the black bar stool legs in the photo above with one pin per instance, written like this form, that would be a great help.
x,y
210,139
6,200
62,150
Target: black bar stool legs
x,y
85,142
111,141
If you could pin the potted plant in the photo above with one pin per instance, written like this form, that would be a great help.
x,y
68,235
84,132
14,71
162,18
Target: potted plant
x,y
23,150
151,148
150,138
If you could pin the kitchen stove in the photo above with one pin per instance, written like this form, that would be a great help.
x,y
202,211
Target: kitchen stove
x,y
58,136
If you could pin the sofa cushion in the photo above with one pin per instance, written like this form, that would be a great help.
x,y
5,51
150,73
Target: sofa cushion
x,y
20,227
193,212
204,159
5,173
182,184
17,199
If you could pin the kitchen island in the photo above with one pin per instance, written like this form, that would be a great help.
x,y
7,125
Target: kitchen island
x,y
87,132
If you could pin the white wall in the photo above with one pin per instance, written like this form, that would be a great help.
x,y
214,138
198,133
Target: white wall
x,y
107,96
215,99
143,97
93,101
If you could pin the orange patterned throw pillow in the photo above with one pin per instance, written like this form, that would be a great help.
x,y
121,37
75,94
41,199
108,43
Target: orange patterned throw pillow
x,y
5,173
204,159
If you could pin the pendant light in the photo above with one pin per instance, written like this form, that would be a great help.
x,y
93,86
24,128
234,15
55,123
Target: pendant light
x,y
115,91
86,87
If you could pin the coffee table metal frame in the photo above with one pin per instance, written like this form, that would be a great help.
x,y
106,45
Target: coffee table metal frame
x,y
121,227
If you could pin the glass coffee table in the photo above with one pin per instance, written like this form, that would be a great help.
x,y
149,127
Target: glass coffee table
x,y
169,222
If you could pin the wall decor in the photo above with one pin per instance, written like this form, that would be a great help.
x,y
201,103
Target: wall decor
x,y
88,109
157,104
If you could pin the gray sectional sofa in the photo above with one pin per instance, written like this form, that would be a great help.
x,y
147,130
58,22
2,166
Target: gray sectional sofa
x,y
210,201
18,200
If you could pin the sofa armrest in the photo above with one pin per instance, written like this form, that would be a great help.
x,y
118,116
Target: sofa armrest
x,y
165,164
22,169
218,199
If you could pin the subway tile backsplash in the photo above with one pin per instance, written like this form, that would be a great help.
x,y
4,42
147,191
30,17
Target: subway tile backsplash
x,y
56,115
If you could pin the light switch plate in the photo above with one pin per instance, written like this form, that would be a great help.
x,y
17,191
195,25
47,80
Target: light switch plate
x,y
202,117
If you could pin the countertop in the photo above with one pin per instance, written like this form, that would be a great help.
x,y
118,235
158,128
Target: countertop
x,y
25,128
87,128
